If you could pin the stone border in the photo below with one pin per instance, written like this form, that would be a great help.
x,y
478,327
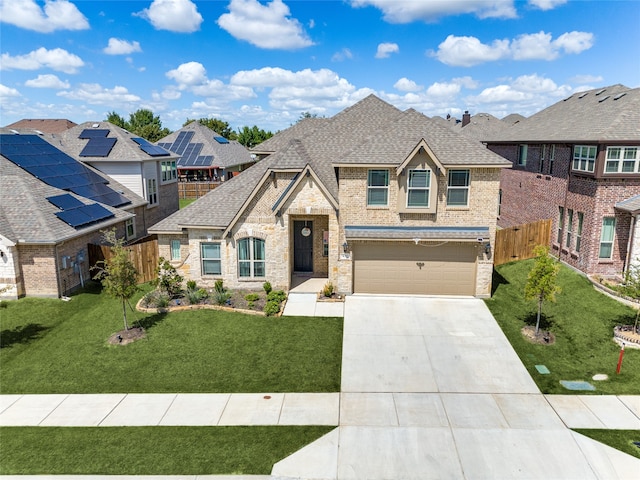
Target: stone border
x,y
182,308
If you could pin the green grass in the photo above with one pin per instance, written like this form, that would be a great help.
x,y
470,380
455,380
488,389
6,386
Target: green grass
x,y
51,346
186,201
582,320
150,450
619,439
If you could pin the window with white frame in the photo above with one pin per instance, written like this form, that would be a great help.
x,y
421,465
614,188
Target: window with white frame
x,y
210,258
579,232
543,154
169,170
606,237
251,258
152,191
458,188
130,228
378,188
418,188
569,227
175,250
622,160
560,224
584,158
522,154
552,155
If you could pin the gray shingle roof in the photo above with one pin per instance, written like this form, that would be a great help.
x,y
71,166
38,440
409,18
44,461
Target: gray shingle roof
x,y
603,114
481,126
280,140
44,125
631,205
225,155
423,233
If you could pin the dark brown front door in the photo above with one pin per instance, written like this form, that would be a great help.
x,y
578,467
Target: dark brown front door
x,y
302,246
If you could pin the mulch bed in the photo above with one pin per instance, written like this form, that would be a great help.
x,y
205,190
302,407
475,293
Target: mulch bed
x,y
124,337
544,337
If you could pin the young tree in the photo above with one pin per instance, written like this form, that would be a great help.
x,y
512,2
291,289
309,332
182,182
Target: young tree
x,y
632,288
118,275
541,282
142,122
252,136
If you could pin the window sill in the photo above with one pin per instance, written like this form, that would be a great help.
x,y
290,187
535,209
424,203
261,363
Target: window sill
x,y
251,279
460,208
377,207
605,261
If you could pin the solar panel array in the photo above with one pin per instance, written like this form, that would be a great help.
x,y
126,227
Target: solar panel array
x,y
57,169
190,157
98,145
150,149
77,214
221,140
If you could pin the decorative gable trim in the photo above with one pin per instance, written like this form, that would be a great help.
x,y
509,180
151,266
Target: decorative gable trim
x,y
307,171
422,144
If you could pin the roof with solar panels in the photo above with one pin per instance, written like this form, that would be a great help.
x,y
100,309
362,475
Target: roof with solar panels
x,y
200,147
48,196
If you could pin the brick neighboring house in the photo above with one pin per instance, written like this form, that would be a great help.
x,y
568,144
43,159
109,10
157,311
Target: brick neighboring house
x,y
374,199
578,162
147,170
51,208
204,154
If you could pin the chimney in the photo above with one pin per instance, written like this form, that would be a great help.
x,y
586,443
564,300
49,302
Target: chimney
x,y
466,118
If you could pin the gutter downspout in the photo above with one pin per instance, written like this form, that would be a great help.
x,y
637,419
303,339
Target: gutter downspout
x,y
627,260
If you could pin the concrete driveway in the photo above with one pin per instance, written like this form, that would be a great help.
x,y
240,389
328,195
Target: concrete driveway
x,y
431,388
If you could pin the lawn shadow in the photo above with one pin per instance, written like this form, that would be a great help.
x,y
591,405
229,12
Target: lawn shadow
x,y
496,281
545,321
629,319
22,334
150,320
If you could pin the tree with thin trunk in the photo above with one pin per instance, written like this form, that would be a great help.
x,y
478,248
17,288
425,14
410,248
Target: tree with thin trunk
x,y
118,274
541,282
631,288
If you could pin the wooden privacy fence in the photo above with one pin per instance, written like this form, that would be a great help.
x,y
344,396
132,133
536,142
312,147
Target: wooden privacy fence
x,y
517,243
195,189
144,255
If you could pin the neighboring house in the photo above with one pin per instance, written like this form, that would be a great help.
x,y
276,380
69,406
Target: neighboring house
x,y
206,155
480,126
51,208
578,162
43,125
146,169
374,199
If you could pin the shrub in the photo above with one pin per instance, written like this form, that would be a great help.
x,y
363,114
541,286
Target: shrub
x,y
4,304
156,299
328,289
277,295
191,285
251,297
168,278
221,297
219,286
250,305
272,308
267,287
196,295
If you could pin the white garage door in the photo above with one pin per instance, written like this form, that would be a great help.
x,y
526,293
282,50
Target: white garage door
x,y
396,268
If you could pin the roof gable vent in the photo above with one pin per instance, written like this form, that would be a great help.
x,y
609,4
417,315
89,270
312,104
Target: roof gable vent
x,y
584,95
600,91
603,99
619,96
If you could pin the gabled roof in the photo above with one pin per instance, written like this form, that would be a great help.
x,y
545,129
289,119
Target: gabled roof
x,y
631,205
301,129
599,115
125,148
44,125
205,151
480,126
513,118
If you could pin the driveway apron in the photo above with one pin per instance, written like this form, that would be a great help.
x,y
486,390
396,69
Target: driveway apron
x,y
431,388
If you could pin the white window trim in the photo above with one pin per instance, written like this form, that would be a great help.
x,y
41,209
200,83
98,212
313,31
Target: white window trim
x,y
252,261
523,151
130,222
168,171
552,155
210,259
581,161
602,241
427,188
378,187
569,227
152,192
579,231
466,187
171,247
621,160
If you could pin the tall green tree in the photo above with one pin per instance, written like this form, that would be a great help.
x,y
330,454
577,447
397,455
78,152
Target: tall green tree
x,y
117,120
118,274
252,136
218,126
541,281
142,122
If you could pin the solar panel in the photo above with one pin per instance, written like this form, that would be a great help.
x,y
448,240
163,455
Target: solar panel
x,y
98,147
93,133
65,201
57,169
84,215
190,155
149,148
221,140
181,142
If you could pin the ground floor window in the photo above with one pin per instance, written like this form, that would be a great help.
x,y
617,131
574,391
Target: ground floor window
x,y
579,233
251,257
130,228
175,249
210,255
606,237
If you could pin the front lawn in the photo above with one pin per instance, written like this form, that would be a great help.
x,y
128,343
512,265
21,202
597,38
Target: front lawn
x,y
622,440
582,321
52,346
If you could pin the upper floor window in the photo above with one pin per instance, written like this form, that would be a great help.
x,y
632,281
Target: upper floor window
x,y
622,160
251,257
458,188
130,228
210,257
152,191
378,188
552,154
418,188
522,154
584,158
169,170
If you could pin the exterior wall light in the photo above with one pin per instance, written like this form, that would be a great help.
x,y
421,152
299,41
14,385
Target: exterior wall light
x,y
345,247
487,248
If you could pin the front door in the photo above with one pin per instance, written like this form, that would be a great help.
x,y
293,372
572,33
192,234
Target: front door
x,y
302,246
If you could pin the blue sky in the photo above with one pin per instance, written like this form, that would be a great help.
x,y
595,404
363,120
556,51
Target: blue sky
x,y
251,62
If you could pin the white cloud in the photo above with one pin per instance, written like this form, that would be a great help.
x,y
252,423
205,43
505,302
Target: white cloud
x,y
265,26
407,11
47,81
443,90
406,85
466,82
344,54
174,15
582,79
118,46
469,51
7,92
56,59
95,94
188,74
56,15
546,4
386,49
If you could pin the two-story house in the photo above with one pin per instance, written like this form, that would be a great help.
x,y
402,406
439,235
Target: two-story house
x,y
51,208
146,169
577,162
374,199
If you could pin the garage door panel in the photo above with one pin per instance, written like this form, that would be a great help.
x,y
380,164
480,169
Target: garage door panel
x,y
386,267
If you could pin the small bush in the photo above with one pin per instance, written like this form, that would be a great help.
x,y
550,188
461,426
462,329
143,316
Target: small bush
x,y
219,286
277,295
196,295
156,299
267,287
221,297
191,285
250,305
251,297
328,289
272,308
167,278
4,304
